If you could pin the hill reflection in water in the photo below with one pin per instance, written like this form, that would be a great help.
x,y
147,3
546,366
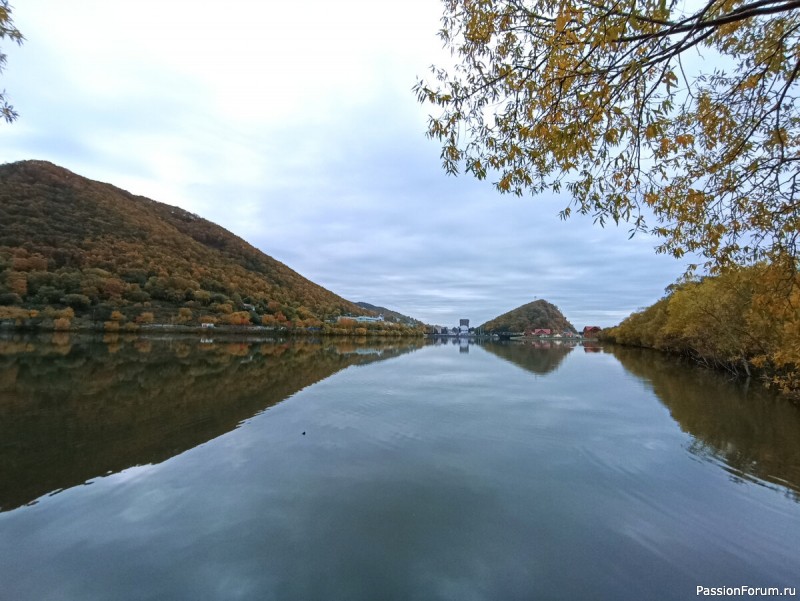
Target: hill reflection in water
x,y
73,409
751,432
539,357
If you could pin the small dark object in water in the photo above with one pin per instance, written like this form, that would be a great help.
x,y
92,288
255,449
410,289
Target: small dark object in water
x,y
304,433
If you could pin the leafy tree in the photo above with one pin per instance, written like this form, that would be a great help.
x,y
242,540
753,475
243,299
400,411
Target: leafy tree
x,y
10,298
17,281
145,317
238,318
48,294
67,313
621,103
77,301
7,30
61,324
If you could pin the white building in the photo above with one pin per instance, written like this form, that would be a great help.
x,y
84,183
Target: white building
x,y
360,318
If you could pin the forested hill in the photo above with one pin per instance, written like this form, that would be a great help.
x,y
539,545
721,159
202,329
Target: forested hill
x,y
67,241
538,314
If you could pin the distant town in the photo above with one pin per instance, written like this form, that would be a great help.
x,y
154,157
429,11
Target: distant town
x,y
463,330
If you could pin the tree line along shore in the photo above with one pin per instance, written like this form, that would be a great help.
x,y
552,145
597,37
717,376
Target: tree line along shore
x,y
745,321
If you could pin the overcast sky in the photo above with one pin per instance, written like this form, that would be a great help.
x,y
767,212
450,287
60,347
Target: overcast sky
x,y
294,126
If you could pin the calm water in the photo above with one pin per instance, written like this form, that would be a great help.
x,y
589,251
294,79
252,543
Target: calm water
x,y
179,470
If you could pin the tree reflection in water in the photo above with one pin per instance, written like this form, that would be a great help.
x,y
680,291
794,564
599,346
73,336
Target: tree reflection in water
x,y
72,409
753,433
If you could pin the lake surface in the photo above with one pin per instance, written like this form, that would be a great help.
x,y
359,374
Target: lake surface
x,y
175,469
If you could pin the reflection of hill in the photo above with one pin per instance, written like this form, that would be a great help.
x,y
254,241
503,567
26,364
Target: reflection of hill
x,y
753,433
538,357
69,413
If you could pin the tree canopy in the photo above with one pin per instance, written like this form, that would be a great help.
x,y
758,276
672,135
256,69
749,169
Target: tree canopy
x,y
686,111
7,30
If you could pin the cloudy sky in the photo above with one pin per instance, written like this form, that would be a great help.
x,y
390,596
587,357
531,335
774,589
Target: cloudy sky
x,y
294,126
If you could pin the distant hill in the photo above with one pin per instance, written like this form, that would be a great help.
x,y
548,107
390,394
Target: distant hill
x,y
390,315
69,241
538,314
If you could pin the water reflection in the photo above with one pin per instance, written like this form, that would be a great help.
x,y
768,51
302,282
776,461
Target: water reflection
x,y
540,357
439,475
74,409
750,431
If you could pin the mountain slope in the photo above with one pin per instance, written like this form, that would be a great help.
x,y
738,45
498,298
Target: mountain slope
x,y
68,240
537,314
390,315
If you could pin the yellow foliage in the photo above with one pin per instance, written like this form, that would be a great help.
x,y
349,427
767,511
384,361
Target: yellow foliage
x,y
132,252
145,317
61,324
553,96
742,319
239,318
15,313
17,282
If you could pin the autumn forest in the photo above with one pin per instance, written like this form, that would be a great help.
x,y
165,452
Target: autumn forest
x,y
79,252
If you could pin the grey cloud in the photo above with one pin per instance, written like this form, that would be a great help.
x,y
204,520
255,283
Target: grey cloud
x,y
354,199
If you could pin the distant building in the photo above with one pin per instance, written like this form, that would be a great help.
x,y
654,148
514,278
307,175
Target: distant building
x,y
463,326
364,318
360,318
591,331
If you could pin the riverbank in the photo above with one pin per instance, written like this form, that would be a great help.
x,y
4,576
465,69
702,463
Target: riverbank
x,y
82,326
745,322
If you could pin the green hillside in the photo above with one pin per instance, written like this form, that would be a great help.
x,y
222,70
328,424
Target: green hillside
x,y
537,314
70,243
